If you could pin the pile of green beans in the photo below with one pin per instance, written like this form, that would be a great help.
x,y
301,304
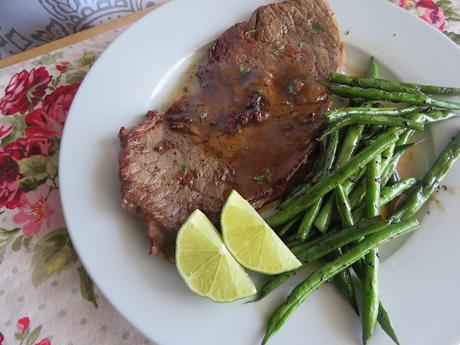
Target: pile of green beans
x,y
337,213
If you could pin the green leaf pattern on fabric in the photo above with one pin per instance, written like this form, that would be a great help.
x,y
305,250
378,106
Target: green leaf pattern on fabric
x,y
33,167
52,254
48,59
87,287
19,125
32,338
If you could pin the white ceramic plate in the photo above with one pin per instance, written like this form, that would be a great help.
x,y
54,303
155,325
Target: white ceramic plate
x,y
419,284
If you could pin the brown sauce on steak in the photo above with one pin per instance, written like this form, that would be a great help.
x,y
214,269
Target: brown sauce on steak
x,y
253,120
251,124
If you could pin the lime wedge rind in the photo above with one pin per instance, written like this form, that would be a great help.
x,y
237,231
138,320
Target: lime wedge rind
x,y
244,228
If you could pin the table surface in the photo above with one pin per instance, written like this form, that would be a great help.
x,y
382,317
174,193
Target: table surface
x,y
45,293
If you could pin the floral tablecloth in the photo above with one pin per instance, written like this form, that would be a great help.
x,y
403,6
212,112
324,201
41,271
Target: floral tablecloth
x,y
46,297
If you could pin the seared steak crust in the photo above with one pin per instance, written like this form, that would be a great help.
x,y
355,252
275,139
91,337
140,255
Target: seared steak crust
x,y
250,126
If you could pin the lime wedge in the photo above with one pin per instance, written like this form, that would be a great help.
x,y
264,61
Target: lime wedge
x,y
251,241
206,265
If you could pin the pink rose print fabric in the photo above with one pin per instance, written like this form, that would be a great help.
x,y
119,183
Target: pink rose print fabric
x,y
46,295
437,13
24,90
23,324
40,211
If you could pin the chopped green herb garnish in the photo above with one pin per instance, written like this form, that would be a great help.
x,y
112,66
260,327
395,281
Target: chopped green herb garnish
x,y
295,86
288,103
259,90
317,27
301,44
261,178
245,69
183,168
203,118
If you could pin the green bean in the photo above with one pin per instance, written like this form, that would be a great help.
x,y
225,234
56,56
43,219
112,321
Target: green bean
x,y
430,181
382,120
371,260
310,251
387,195
386,156
394,178
332,233
373,187
343,205
433,116
329,243
385,322
397,154
390,192
326,272
373,70
308,219
324,218
331,149
403,148
371,131
331,181
391,85
343,279
288,226
383,317
358,193
370,294
340,113
344,283
425,118
274,282
359,213
350,144
312,212
375,94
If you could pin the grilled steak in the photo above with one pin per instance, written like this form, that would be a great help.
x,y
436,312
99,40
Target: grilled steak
x,y
250,126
